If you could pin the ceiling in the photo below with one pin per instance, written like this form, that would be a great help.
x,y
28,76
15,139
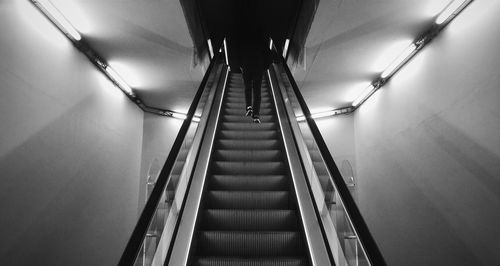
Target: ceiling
x,y
352,41
275,17
150,44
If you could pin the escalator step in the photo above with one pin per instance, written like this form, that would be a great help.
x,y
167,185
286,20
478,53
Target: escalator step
x,y
249,168
241,134
250,220
245,119
241,111
248,182
242,99
248,200
241,144
248,126
240,105
231,93
247,155
225,261
256,243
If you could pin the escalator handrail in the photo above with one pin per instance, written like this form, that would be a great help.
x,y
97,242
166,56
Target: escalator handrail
x,y
370,246
136,239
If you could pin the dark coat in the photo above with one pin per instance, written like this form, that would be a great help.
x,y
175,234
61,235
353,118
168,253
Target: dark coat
x,y
248,43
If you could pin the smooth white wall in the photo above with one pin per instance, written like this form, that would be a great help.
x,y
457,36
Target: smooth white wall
x,y
70,149
428,149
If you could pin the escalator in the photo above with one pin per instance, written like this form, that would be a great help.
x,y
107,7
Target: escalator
x,y
233,192
249,213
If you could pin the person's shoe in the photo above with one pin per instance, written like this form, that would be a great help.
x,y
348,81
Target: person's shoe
x,y
256,119
249,111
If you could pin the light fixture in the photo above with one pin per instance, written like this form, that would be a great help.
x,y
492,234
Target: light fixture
x,y
285,49
57,17
450,10
399,61
122,84
323,114
364,95
225,52
179,115
334,112
210,48
270,44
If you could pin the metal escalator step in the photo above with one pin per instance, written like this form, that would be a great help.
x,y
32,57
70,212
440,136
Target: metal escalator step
x,y
242,99
250,220
241,86
231,93
248,126
248,200
241,111
249,182
240,94
249,168
236,144
261,244
228,261
248,155
245,119
241,134
239,105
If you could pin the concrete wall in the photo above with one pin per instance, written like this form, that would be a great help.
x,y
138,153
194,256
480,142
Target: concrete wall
x,y
70,150
428,149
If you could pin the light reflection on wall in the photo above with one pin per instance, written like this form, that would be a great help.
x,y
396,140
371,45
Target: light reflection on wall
x,y
128,73
40,25
390,52
432,8
354,90
110,89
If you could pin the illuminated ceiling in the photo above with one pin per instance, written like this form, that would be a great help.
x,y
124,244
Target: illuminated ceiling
x,y
349,43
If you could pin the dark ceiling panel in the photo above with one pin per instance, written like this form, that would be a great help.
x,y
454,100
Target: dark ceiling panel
x,y
275,17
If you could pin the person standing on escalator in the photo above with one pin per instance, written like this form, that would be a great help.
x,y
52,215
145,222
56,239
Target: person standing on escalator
x,y
253,55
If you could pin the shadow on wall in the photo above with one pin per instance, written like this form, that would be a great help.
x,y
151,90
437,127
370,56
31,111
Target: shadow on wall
x,y
425,191
68,183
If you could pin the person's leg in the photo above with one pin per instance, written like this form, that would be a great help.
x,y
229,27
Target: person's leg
x,y
247,80
257,82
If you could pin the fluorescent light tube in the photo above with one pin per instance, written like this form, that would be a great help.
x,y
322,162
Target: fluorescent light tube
x,y
179,116
449,11
121,83
285,49
58,18
225,52
323,114
365,94
398,61
210,48
271,44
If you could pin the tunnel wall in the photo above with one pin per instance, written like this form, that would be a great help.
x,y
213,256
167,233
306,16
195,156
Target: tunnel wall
x,y
70,149
428,150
